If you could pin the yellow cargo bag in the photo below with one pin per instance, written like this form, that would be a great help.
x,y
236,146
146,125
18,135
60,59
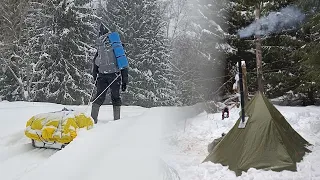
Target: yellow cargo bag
x,y
56,129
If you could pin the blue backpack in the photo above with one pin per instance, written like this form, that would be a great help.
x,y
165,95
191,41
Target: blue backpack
x,y
118,50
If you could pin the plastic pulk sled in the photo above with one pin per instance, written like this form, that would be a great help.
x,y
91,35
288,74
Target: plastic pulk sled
x,y
55,130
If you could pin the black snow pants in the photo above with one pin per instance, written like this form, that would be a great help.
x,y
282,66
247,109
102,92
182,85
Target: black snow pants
x,y
103,82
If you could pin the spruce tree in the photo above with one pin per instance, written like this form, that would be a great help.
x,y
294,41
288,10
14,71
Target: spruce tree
x,y
198,48
210,25
280,67
66,59
49,59
308,54
16,55
141,27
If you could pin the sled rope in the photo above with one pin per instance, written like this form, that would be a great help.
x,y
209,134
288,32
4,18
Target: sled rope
x,y
91,94
106,88
118,75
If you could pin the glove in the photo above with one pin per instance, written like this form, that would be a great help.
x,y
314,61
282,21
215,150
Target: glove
x,y
124,87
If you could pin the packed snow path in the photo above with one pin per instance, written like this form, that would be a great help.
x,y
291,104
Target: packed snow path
x,y
126,149
129,148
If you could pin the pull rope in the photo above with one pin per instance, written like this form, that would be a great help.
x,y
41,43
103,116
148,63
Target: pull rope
x,y
118,75
91,94
106,87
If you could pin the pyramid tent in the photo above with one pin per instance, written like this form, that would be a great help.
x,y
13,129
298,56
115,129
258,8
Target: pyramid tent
x,y
267,142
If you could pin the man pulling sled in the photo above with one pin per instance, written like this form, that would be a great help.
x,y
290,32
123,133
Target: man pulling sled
x,y
55,130
109,64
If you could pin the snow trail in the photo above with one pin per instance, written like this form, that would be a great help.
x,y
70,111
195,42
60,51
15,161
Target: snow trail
x,y
132,147
128,148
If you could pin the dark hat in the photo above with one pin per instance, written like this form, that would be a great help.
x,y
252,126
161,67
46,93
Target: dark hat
x,y
103,29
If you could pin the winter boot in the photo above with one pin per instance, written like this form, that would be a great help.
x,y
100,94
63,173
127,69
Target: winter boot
x,y
94,112
116,112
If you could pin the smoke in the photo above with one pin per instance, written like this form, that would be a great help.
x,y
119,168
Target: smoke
x,y
288,18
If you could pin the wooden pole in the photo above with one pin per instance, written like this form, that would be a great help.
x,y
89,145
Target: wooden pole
x,y
244,79
259,51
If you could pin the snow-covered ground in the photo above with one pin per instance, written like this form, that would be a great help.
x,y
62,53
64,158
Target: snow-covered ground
x,y
130,148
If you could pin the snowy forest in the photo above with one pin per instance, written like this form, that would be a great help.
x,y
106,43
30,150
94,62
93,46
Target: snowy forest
x,y
180,52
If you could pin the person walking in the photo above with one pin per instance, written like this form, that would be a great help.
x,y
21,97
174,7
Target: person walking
x,y
107,75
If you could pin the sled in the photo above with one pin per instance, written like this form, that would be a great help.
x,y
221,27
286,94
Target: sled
x,y
55,130
48,145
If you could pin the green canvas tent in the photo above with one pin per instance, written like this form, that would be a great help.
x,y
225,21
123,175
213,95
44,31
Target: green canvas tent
x,y
267,142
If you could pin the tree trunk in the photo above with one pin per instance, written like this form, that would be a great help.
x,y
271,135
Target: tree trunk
x,y
259,52
310,96
23,92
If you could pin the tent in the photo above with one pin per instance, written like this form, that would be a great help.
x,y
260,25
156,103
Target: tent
x,y
267,142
